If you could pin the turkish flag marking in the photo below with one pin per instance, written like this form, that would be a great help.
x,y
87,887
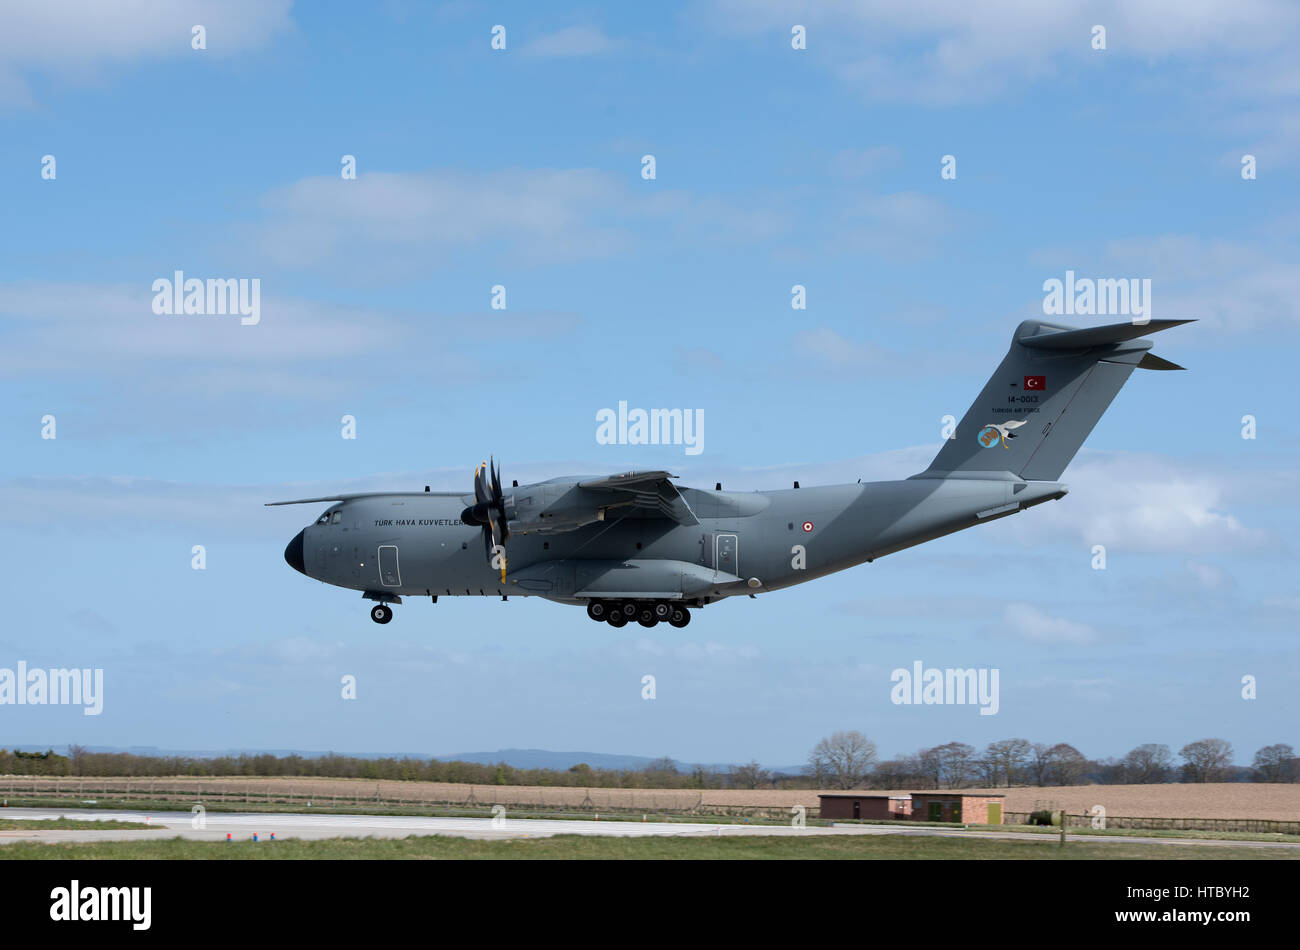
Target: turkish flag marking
x,y
1035,383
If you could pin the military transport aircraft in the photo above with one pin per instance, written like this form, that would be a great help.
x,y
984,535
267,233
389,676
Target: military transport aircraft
x,y
637,547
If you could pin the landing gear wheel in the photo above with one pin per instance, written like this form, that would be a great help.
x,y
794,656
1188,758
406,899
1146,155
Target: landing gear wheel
x,y
663,611
381,613
680,618
597,610
616,619
646,617
629,609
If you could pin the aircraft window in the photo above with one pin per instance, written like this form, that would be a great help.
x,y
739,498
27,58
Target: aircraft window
x,y
324,519
338,516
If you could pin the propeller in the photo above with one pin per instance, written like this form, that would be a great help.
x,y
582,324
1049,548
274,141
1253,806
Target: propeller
x,y
489,511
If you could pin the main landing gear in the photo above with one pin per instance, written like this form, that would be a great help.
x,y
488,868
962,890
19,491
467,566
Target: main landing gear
x,y
647,613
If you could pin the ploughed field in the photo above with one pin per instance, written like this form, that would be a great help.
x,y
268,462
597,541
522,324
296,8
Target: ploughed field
x,y
1216,801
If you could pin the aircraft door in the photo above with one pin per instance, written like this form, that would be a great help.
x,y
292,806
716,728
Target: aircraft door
x,y
389,573
728,554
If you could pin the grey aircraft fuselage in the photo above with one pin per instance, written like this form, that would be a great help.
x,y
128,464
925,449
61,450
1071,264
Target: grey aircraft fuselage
x,y
637,546
778,538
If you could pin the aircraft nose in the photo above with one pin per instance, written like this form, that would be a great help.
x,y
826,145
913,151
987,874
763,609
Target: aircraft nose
x,y
293,554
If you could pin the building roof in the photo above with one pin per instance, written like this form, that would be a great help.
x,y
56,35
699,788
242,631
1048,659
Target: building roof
x,y
954,793
904,795
957,793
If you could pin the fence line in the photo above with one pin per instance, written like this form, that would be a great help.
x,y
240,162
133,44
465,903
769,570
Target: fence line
x,y
382,792
1266,825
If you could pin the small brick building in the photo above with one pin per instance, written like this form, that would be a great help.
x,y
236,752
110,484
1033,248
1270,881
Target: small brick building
x,y
866,805
972,808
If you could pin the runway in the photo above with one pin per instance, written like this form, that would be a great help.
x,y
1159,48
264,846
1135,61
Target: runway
x,y
242,826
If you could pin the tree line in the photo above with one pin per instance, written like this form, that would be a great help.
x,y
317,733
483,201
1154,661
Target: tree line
x,y
849,760
662,773
841,760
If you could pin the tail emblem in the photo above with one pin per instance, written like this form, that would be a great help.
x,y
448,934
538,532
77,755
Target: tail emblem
x,y
993,434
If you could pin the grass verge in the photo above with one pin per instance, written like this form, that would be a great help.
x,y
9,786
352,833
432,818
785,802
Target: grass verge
x,y
582,847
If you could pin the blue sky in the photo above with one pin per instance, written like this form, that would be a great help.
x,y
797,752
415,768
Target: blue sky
x,y
522,167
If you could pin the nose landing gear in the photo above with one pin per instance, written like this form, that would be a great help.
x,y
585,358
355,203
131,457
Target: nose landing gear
x,y
381,612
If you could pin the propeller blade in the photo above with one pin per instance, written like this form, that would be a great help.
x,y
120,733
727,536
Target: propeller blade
x,y
489,511
500,499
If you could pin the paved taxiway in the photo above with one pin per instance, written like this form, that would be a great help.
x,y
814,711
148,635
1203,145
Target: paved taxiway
x,y
242,827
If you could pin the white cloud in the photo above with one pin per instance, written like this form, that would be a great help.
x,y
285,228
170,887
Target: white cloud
x,y
55,326
856,163
1030,623
295,350
570,41
539,215
826,346
947,51
1207,576
78,39
697,359
409,222
1229,286
899,225
1142,503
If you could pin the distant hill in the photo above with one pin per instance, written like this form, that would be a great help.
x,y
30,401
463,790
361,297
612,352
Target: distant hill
x,y
517,758
545,759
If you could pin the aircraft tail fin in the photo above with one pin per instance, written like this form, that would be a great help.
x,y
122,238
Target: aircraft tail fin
x,y
1045,398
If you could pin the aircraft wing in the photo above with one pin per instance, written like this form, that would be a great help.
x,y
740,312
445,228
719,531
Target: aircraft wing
x,y
648,491
567,506
348,496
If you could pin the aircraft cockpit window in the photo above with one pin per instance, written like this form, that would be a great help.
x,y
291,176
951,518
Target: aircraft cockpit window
x,y
336,517
324,519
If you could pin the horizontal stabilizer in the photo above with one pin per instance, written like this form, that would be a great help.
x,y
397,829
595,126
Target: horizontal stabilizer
x,y
1049,339
1151,361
